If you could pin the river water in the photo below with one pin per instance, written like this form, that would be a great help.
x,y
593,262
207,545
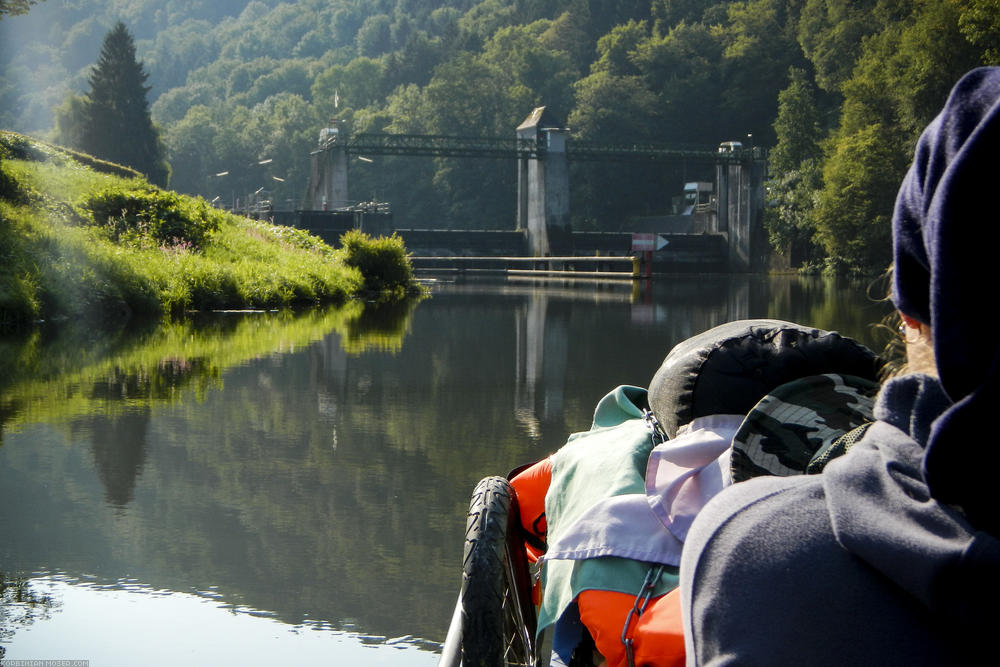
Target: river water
x,y
267,488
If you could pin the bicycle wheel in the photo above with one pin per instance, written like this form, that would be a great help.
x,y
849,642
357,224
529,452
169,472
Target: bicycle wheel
x,y
498,614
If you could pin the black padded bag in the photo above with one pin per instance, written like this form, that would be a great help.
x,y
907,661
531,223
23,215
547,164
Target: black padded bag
x,y
729,368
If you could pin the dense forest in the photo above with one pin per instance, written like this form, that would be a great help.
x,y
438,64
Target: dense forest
x,y
837,89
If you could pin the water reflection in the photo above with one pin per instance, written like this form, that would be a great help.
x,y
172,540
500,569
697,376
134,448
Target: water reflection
x,y
20,606
118,446
318,467
62,373
194,629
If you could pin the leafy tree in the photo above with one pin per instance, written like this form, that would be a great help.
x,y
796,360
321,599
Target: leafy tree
x,y
177,50
526,64
113,122
407,107
375,36
242,74
902,77
282,129
760,46
68,126
171,107
668,13
415,62
615,109
290,77
568,33
77,49
933,53
14,7
615,48
684,69
854,207
190,140
443,22
797,125
831,33
980,23
795,162
345,23
472,96
484,19
466,99
790,214
358,84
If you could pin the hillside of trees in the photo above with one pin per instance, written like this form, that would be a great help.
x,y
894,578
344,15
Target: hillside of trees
x,y
837,89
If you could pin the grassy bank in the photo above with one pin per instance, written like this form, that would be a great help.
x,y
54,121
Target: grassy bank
x,y
84,239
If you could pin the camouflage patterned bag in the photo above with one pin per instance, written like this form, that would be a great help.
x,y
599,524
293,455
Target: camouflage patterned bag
x,y
802,425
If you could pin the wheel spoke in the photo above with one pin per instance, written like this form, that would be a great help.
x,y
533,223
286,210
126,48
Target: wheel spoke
x,y
520,645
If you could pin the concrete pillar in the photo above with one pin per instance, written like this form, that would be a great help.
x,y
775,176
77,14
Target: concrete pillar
x,y
328,169
543,186
337,185
760,247
522,194
538,236
733,207
722,197
556,192
740,204
739,221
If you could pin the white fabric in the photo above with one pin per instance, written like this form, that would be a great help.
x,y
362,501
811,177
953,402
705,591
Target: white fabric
x,y
681,476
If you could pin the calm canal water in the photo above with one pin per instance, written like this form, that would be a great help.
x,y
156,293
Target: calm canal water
x,y
263,488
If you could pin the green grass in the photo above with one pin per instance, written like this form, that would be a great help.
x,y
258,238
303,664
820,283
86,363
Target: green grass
x,y
81,238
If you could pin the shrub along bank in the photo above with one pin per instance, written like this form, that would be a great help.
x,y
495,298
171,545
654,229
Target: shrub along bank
x,y
84,239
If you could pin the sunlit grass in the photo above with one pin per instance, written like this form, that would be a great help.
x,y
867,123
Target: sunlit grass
x,y
79,243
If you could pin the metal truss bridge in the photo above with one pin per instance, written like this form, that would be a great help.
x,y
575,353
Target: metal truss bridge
x,y
516,148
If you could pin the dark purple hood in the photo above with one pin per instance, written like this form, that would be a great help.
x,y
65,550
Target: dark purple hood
x,y
946,238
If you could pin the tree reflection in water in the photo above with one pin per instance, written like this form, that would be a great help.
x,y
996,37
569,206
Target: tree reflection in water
x,y
318,466
20,606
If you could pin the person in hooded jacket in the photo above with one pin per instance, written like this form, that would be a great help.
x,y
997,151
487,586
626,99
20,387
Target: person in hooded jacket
x,y
891,555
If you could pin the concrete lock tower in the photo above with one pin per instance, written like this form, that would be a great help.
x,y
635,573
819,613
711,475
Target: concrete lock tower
x,y
543,185
328,168
739,178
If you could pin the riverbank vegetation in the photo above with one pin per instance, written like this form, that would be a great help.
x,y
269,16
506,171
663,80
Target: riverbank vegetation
x,y
82,239
240,88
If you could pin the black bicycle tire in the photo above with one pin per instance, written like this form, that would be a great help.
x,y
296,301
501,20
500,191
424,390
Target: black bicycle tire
x,y
499,620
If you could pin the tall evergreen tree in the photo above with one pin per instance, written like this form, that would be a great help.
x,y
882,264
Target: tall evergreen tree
x,y
114,122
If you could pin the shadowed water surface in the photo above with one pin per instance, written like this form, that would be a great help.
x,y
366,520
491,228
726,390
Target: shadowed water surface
x,y
262,488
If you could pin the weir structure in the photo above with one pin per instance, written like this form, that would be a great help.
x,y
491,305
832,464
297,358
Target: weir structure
x,y
543,149
543,185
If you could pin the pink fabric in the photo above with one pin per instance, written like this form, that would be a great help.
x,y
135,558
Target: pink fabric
x,y
683,474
